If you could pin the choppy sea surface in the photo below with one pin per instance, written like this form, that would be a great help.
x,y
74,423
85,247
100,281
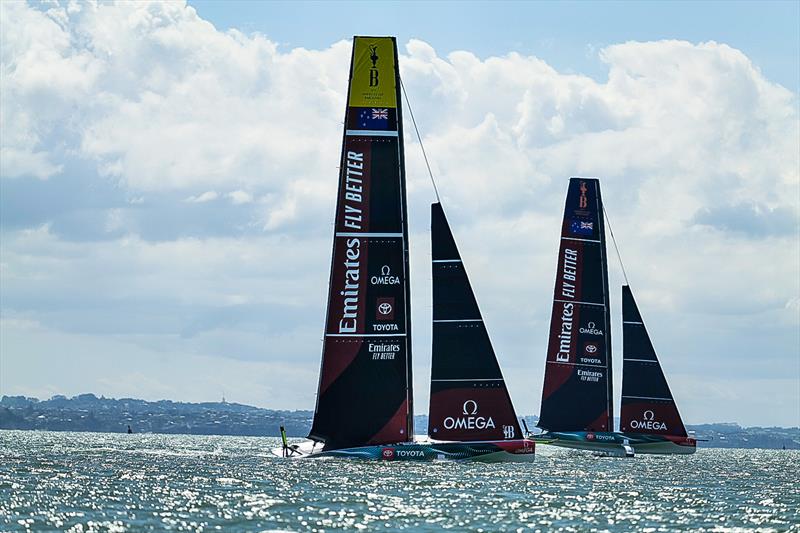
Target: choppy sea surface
x,y
112,482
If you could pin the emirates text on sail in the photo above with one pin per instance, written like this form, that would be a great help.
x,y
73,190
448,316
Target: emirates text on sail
x,y
568,273
352,220
352,275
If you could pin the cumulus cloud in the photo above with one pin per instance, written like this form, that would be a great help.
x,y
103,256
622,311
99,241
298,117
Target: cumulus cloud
x,y
751,219
202,198
124,125
240,197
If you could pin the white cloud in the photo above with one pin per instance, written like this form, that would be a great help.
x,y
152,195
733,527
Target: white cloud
x,y
240,197
157,100
202,198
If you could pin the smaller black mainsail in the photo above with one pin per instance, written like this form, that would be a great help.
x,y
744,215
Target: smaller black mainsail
x,y
469,400
647,403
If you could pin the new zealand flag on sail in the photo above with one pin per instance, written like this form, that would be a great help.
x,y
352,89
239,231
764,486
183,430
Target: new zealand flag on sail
x,y
581,227
372,118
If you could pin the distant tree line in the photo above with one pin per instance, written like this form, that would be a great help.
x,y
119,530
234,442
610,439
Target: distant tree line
x,y
87,412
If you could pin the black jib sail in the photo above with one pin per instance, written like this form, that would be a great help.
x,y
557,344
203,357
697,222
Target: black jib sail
x,y
577,392
364,394
647,404
469,399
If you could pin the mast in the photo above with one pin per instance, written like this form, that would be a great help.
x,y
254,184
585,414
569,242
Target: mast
x,y
577,393
647,403
469,400
365,392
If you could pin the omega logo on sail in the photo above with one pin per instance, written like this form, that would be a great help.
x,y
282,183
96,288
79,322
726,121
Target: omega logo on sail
x,y
386,277
591,329
648,422
469,420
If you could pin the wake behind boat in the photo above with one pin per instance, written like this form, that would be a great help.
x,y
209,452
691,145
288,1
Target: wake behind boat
x,y
365,395
577,396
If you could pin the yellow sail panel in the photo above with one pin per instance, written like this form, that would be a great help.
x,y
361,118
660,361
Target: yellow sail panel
x,y
373,82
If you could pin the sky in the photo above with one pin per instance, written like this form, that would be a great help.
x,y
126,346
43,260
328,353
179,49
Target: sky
x,y
168,175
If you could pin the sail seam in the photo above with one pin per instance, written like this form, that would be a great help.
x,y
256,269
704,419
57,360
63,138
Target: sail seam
x,y
576,239
371,133
366,234
573,364
647,398
461,320
640,360
365,334
447,260
466,379
631,322
577,302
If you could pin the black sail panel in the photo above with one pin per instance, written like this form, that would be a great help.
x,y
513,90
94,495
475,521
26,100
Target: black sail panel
x,y
647,403
577,393
364,395
469,399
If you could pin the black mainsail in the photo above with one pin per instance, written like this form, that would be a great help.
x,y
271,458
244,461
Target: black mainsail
x,y
577,392
365,395
647,403
469,400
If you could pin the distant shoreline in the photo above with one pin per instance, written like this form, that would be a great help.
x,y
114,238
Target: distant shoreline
x,y
88,413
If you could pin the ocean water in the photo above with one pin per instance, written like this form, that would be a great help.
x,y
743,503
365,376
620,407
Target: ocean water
x,y
113,482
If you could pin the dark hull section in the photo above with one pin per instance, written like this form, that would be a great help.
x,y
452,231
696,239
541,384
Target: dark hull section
x,y
647,403
469,400
521,450
613,443
364,395
577,392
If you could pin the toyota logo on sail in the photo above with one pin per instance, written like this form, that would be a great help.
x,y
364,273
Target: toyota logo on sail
x,y
384,310
469,419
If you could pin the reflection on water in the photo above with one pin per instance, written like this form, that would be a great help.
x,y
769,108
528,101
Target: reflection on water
x,y
103,482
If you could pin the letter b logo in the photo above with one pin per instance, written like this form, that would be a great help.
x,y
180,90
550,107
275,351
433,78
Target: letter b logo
x,y
373,78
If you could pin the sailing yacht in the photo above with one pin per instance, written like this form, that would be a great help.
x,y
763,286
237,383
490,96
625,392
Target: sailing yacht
x,y
577,396
365,393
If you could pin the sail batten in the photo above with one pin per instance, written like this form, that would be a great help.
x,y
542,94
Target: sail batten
x,y
469,400
364,395
577,393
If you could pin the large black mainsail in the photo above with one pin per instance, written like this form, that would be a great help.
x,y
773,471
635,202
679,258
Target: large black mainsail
x,y
469,400
577,392
364,394
647,403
